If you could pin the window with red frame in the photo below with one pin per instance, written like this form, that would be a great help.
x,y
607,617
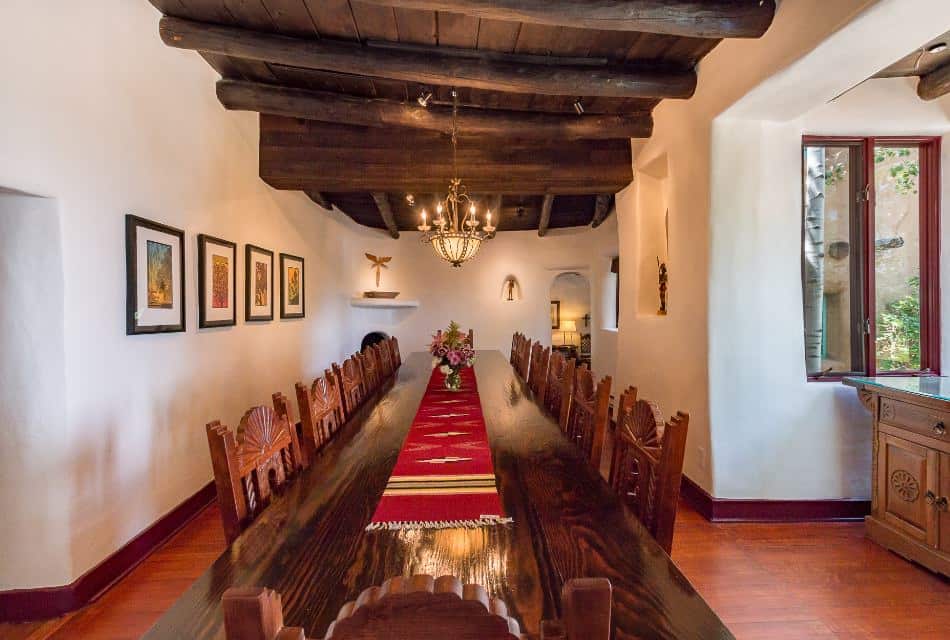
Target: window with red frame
x,y
870,255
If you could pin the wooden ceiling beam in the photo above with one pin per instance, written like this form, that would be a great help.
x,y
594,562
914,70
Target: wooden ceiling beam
x,y
545,215
318,156
601,209
334,107
385,209
432,67
692,18
319,199
935,84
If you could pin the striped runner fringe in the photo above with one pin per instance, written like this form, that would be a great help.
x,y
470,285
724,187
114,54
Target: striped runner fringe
x,y
444,477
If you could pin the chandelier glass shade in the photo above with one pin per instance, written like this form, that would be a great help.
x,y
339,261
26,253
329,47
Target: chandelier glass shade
x,y
454,233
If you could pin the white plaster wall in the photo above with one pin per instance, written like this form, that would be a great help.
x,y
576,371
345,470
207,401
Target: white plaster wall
x,y
671,358
32,386
472,294
104,118
775,434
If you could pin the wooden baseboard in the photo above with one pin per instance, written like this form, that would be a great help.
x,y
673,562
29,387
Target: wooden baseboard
x,y
745,510
20,605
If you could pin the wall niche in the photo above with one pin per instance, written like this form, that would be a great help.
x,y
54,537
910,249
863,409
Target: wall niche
x,y
653,220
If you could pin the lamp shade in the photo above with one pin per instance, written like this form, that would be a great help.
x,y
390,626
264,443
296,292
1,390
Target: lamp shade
x,y
568,325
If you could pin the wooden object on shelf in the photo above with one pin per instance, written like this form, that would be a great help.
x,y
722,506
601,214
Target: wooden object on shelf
x,y
382,295
910,466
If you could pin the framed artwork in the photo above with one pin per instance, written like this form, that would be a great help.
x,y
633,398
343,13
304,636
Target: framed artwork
x,y
217,279
258,284
555,314
154,277
291,286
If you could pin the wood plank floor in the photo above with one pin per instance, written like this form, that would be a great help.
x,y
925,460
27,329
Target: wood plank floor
x,y
773,581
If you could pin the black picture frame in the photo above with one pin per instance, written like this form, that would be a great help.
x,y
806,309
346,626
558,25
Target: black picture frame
x,y
284,303
132,278
203,322
249,284
555,314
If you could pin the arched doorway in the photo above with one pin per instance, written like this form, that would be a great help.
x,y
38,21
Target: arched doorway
x,y
571,321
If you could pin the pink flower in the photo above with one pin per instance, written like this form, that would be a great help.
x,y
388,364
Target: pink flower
x,y
455,358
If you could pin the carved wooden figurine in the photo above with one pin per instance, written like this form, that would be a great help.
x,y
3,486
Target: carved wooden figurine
x,y
664,279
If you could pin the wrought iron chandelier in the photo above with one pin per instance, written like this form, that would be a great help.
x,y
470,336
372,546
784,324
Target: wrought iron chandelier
x,y
454,233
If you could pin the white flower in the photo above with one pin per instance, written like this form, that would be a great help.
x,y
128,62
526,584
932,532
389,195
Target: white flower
x,y
435,362
445,369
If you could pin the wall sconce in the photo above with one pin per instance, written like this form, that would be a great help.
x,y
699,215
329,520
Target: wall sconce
x,y
511,290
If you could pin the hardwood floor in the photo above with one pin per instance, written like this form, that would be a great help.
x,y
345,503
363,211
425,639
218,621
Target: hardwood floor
x,y
775,581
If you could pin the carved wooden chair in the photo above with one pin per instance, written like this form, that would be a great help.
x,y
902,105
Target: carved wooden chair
x,y
321,413
513,357
538,373
349,377
588,414
524,357
471,338
371,368
249,467
282,409
647,464
423,608
385,358
559,386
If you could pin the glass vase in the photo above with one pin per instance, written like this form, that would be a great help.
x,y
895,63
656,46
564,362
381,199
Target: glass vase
x,y
453,381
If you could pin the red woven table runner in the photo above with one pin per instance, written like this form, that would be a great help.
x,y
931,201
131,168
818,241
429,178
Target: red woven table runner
x,y
444,476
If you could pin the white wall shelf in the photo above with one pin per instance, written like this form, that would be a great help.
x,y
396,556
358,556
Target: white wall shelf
x,y
383,303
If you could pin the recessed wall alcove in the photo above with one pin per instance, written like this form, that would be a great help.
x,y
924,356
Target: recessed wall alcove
x,y
653,219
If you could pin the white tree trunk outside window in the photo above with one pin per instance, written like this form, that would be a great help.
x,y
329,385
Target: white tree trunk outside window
x,y
814,254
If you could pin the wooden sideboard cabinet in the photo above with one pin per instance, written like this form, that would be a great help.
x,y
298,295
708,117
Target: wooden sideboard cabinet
x,y
910,477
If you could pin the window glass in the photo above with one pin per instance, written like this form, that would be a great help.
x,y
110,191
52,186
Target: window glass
x,y
897,257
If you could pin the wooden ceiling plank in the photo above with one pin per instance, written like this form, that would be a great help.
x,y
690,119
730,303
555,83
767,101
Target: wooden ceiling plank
x,y
611,80
698,18
374,22
417,27
496,35
204,10
333,18
386,213
545,215
456,30
347,109
291,17
935,84
250,13
602,209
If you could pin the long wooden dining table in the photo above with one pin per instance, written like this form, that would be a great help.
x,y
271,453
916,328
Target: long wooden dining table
x,y
311,545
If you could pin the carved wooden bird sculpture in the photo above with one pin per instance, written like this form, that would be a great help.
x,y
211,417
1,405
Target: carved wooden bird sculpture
x,y
378,264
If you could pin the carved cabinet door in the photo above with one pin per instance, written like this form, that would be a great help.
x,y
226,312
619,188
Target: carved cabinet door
x,y
906,472
941,506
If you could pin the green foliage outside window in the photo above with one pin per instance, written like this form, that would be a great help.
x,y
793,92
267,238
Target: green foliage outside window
x,y
904,172
898,332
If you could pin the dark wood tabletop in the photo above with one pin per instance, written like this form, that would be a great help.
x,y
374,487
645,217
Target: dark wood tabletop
x,y
310,544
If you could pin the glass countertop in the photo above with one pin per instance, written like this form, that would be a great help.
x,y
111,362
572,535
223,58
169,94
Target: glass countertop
x,y
927,386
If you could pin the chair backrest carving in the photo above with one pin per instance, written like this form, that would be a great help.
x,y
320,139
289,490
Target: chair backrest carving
x,y
349,377
384,357
422,608
282,409
588,412
249,466
538,373
513,356
560,384
321,413
370,367
647,465
394,348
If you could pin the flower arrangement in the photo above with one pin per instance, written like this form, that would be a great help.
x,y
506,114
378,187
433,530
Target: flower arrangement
x,y
451,351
